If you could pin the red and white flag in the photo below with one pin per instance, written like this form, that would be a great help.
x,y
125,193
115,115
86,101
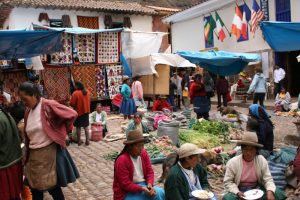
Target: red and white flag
x,y
220,27
236,27
256,16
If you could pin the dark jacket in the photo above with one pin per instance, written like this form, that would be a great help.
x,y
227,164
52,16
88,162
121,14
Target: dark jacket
x,y
222,86
173,88
176,185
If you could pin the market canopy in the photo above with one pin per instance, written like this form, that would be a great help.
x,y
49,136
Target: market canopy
x,y
221,62
146,65
282,36
27,44
79,30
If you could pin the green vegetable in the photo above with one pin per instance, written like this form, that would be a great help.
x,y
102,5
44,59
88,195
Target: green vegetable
x,y
111,156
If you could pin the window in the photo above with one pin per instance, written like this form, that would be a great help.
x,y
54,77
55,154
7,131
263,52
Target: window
x,y
283,10
117,25
88,22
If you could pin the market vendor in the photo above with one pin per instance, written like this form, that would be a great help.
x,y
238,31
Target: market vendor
x,y
127,107
160,104
133,173
282,100
186,175
137,124
259,122
99,116
249,171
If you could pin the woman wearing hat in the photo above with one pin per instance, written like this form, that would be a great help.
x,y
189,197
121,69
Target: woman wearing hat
x,y
186,175
160,104
243,86
249,171
127,106
133,173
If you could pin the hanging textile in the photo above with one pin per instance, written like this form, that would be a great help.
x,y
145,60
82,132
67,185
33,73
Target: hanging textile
x,y
65,56
108,47
88,22
86,75
127,22
12,80
57,82
114,79
100,82
85,45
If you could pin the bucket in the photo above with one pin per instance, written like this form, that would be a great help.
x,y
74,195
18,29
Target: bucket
x,y
169,128
97,132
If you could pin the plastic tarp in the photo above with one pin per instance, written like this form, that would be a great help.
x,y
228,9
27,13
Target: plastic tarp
x,y
27,44
80,30
221,62
146,65
282,36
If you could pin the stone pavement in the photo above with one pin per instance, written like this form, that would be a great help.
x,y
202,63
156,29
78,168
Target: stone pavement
x,y
96,173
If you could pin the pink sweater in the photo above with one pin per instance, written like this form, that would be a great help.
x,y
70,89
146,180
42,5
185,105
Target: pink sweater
x,y
137,90
124,171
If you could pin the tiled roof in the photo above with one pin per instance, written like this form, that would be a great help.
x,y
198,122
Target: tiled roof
x,y
93,5
158,8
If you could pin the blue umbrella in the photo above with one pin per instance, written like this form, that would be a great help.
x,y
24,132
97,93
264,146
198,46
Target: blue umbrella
x,y
221,62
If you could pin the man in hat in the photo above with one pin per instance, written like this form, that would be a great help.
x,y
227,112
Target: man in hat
x,y
249,171
187,174
134,176
160,104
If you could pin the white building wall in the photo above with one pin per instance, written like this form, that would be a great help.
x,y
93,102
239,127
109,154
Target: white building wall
x,y
21,18
295,12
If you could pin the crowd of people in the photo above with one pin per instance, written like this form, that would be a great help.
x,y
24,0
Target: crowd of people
x,y
46,165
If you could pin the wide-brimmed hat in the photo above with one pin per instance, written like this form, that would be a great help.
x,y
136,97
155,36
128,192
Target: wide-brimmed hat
x,y
189,149
249,139
243,74
135,136
125,78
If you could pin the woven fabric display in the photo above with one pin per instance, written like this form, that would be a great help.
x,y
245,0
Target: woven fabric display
x,y
12,81
86,75
114,79
85,45
108,47
57,83
65,56
100,82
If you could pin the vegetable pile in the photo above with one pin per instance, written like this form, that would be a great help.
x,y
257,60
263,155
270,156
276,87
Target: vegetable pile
x,y
111,156
160,147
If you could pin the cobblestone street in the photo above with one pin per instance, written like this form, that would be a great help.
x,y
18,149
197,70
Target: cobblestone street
x,y
96,173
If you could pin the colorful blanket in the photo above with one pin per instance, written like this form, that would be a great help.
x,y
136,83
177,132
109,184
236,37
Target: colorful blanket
x,y
12,81
114,79
100,82
57,83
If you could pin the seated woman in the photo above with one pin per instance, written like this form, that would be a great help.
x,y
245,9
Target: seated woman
x,y
99,116
249,171
137,124
259,122
186,175
282,101
133,173
160,104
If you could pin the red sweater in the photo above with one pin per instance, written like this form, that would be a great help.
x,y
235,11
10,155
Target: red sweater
x,y
159,105
123,177
81,103
197,90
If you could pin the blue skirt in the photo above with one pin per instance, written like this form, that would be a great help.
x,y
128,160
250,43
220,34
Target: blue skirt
x,y
127,107
201,105
65,167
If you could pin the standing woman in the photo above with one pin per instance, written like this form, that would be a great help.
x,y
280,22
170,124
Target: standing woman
x,y
259,87
199,98
80,101
222,86
127,106
48,164
11,177
137,91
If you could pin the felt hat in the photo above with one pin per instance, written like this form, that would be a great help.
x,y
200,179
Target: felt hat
x,y
135,136
243,74
249,139
189,149
125,78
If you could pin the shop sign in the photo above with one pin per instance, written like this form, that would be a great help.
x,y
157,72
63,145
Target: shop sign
x,y
264,4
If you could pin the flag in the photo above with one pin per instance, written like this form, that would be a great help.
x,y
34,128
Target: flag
x,y
206,29
256,16
212,26
220,27
236,26
244,31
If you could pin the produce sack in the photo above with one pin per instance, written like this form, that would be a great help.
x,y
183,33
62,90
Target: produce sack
x,y
169,128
